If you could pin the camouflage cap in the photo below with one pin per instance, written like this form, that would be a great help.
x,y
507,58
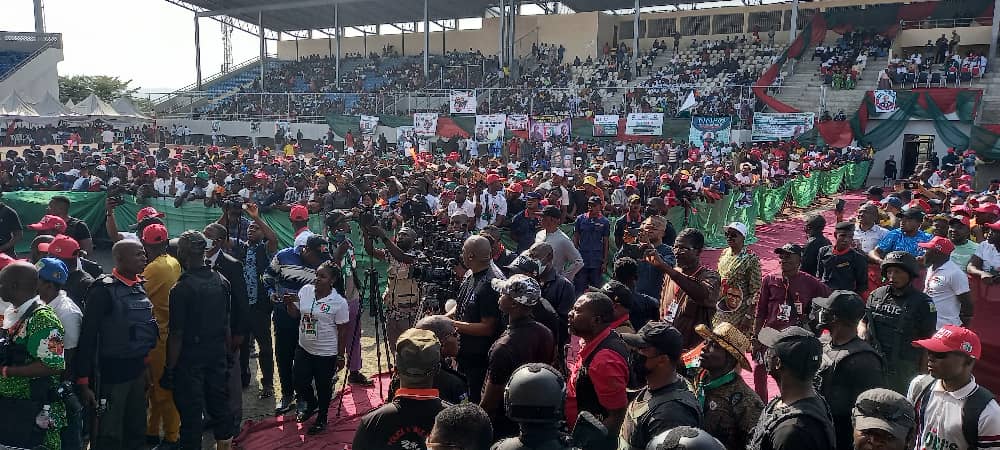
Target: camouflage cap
x,y
522,288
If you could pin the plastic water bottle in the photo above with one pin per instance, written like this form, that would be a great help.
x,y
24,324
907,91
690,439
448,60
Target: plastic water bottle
x,y
44,420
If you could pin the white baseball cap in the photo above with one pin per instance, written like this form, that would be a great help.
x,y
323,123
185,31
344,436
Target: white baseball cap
x,y
738,226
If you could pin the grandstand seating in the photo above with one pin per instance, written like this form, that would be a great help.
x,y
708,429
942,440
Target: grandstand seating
x,y
11,59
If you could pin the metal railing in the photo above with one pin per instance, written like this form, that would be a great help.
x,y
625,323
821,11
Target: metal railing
x,y
186,90
925,24
51,39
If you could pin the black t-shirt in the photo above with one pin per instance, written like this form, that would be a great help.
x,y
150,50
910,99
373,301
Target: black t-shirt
x,y
451,385
525,341
10,222
77,229
810,254
799,433
403,424
478,301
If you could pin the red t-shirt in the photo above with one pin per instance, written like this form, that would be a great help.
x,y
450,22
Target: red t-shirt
x,y
608,372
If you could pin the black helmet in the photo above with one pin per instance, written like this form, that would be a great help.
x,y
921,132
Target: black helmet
x,y
535,393
903,260
685,438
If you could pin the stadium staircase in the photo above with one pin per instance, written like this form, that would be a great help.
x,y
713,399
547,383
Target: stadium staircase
x,y
213,88
804,89
990,107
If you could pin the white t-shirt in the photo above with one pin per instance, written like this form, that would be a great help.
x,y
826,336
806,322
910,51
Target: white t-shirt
x,y
493,206
867,240
468,208
943,285
70,316
989,254
942,421
318,321
107,136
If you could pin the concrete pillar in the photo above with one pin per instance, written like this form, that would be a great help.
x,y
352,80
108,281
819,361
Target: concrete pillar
x,y
794,28
635,33
337,31
995,29
197,52
501,27
263,47
427,41
39,17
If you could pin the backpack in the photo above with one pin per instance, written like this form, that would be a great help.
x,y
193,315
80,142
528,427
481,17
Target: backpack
x,y
973,407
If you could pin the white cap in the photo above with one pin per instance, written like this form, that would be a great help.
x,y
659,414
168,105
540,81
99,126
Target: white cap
x,y
302,238
559,172
738,227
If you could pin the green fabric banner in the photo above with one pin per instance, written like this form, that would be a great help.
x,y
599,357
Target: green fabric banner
x,y
856,174
804,189
31,205
770,200
830,180
985,140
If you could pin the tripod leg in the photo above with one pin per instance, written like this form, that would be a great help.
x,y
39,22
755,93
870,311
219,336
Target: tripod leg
x,y
349,357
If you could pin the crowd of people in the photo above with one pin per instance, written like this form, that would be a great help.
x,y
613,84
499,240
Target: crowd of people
x,y
865,330
938,63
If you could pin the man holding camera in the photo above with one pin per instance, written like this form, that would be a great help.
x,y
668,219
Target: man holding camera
x,y
402,294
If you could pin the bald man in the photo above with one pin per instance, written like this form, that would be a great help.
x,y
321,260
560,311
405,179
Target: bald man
x,y
477,316
451,385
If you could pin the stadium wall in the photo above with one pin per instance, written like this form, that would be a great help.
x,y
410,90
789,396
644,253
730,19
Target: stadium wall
x,y
975,35
36,77
919,127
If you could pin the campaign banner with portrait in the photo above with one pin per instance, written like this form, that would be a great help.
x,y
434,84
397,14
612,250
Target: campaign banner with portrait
x,y
425,124
405,134
885,101
605,125
709,128
489,126
644,124
462,102
368,124
780,126
517,122
544,127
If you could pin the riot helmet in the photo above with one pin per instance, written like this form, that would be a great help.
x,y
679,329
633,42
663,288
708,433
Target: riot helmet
x,y
535,393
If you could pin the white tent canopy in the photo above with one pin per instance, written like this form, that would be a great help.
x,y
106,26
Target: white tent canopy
x,y
93,107
126,108
70,105
49,106
15,107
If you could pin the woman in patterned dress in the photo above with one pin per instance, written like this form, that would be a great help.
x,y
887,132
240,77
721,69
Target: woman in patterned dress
x,y
740,271
42,337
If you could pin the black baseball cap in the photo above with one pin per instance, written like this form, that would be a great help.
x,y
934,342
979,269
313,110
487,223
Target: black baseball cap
x,y
594,199
844,226
843,303
659,335
913,213
796,347
789,248
875,191
552,211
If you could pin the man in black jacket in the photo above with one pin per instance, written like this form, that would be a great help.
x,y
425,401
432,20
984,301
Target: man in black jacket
x,y
232,269
840,265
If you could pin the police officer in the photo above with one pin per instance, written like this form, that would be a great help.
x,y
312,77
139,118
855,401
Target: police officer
x,y
850,365
665,402
898,314
685,438
534,399
840,265
200,305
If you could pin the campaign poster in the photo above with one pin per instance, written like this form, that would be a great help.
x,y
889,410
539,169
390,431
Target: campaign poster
x,y
425,124
709,128
368,124
490,126
462,102
405,135
644,124
517,122
605,125
545,127
885,101
780,126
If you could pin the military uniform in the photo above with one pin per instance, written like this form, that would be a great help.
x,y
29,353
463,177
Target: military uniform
x,y
730,408
845,372
894,320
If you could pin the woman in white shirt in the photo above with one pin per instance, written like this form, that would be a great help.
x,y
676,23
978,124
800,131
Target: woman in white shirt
x,y
323,334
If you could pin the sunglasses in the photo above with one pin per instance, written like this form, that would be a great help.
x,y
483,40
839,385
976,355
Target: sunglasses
x,y
871,408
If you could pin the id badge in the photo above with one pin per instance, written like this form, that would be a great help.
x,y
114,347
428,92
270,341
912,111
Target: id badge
x,y
798,308
671,313
308,327
784,312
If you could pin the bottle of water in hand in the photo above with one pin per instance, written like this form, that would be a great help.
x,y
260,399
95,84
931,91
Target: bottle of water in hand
x,y
44,420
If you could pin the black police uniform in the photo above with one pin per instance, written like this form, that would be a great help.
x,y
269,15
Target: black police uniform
x,y
536,437
894,320
656,411
847,271
845,372
803,424
200,305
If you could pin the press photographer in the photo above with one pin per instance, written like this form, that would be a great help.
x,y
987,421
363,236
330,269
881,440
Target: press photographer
x,y
31,359
402,293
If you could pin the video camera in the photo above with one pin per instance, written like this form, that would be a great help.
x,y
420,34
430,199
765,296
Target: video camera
x,y
434,269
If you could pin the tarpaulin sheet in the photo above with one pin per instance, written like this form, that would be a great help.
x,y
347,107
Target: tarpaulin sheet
x,y
804,189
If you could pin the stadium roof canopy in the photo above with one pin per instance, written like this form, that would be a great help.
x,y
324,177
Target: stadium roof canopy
x,y
296,15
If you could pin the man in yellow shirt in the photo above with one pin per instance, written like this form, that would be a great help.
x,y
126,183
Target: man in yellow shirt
x,y
289,148
161,274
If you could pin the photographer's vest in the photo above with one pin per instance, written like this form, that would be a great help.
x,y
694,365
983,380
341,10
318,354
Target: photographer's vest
x,y
839,395
586,395
129,330
773,416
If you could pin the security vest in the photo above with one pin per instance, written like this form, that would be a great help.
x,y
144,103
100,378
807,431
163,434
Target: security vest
x,y
839,396
130,330
638,410
207,328
891,322
773,416
586,395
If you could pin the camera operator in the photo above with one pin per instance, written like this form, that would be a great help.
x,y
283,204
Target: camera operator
x,y
237,226
402,293
413,205
477,315
32,356
346,283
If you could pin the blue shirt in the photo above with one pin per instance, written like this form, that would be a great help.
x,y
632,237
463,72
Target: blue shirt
x,y
523,230
650,278
287,273
591,233
895,240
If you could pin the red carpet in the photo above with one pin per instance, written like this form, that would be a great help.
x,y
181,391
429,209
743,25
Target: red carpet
x,y
283,432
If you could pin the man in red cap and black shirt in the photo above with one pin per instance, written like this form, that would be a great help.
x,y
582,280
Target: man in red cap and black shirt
x,y
49,224
68,250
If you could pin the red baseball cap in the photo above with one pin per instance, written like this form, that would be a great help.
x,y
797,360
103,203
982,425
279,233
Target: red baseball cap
x,y
49,223
154,234
941,244
516,188
952,338
964,220
62,246
994,225
6,260
298,213
922,204
493,178
147,212
988,208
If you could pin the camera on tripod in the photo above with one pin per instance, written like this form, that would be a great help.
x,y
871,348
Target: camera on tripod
x,y
434,270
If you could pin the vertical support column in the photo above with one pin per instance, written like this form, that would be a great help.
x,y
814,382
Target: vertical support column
x,y
994,29
427,41
263,47
635,33
197,52
338,32
794,28
39,17
501,26
512,32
